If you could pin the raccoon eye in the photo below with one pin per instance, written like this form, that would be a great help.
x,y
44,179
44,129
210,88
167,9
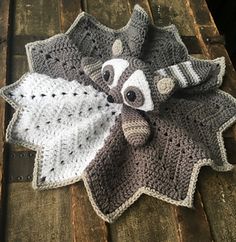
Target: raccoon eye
x,y
134,96
131,96
108,74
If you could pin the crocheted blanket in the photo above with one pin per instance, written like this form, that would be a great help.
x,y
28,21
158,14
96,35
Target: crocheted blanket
x,y
128,111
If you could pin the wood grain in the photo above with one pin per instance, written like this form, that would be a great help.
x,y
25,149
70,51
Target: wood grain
x,y
166,12
193,224
147,220
38,215
114,14
69,10
4,33
219,197
36,18
87,226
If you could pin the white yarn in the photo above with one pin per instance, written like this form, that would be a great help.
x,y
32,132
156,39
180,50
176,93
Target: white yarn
x,y
66,122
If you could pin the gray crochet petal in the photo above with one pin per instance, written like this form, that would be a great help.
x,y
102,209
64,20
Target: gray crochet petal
x,y
60,55
163,47
186,136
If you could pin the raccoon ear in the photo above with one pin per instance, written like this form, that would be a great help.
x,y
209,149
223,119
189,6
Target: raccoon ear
x,y
139,25
135,32
123,48
117,48
164,85
92,68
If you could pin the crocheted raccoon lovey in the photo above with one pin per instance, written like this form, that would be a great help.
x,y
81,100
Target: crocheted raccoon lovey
x,y
128,111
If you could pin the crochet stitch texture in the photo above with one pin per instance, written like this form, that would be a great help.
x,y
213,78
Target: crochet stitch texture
x,y
145,118
65,122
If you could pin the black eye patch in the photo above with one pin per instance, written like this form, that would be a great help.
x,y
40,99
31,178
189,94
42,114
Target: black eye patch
x,y
108,74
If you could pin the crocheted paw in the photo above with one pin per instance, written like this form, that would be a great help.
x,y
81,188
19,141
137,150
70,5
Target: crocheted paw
x,y
136,129
65,122
136,133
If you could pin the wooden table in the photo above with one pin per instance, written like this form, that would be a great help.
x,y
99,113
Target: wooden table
x,y
65,214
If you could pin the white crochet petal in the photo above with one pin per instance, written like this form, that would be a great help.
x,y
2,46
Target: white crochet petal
x,y
65,122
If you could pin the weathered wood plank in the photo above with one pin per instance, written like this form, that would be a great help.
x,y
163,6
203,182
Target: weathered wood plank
x,y
144,4
19,66
113,14
36,18
4,21
217,189
148,219
174,12
201,12
86,225
219,197
168,12
34,215
68,12
192,223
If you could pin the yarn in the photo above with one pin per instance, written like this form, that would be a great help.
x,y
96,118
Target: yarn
x,y
65,122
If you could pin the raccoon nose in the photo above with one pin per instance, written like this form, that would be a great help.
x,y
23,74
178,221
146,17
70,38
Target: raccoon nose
x,y
110,99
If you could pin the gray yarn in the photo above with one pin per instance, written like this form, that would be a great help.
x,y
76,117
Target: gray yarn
x,y
60,55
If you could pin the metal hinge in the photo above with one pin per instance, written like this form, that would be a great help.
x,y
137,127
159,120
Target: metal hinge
x,y
20,166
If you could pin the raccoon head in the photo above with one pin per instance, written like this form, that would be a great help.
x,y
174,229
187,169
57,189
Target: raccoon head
x,y
128,80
